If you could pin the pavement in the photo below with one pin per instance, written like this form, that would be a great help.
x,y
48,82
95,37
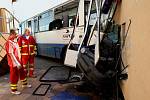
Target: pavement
x,y
42,64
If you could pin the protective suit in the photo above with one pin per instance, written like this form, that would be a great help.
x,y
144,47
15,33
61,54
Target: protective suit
x,y
16,70
27,45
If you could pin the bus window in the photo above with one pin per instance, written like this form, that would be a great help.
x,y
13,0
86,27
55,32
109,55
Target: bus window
x,y
66,13
72,21
29,23
65,21
22,27
55,24
72,14
35,25
32,27
44,20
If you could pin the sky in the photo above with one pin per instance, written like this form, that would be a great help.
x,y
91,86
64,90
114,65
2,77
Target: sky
x,y
24,9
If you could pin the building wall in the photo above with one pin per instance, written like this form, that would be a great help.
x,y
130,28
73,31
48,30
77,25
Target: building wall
x,y
137,49
3,27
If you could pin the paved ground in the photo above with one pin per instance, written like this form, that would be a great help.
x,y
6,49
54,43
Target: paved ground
x,y
42,64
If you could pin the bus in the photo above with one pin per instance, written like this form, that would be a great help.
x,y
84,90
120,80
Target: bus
x,y
53,28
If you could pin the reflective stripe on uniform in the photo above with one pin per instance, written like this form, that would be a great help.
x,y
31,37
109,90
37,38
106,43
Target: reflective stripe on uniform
x,y
13,88
13,85
27,46
24,80
24,83
31,68
31,45
24,54
24,46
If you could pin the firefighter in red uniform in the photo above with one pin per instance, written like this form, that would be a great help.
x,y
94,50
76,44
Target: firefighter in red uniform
x,y
14,61
27,45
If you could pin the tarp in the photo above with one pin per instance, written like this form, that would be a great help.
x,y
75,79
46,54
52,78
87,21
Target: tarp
x,y
69,96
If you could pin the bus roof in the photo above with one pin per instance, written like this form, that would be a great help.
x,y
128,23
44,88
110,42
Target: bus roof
x,y
59,7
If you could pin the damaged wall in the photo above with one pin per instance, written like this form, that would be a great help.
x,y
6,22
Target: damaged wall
x,y
137,50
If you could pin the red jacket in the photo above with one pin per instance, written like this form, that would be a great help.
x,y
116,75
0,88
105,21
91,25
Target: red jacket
x,y
12,47
27,46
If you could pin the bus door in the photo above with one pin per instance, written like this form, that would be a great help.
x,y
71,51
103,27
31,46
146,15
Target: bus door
x,y
76,37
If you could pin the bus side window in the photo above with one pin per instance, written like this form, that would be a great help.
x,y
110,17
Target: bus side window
x,y
73,21
44,21
65,21
55,24
35,25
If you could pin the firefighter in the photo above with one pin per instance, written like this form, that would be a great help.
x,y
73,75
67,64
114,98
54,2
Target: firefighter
x,y
27,45
14,61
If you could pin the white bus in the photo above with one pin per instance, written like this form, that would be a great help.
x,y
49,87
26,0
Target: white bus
x,y
52,37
